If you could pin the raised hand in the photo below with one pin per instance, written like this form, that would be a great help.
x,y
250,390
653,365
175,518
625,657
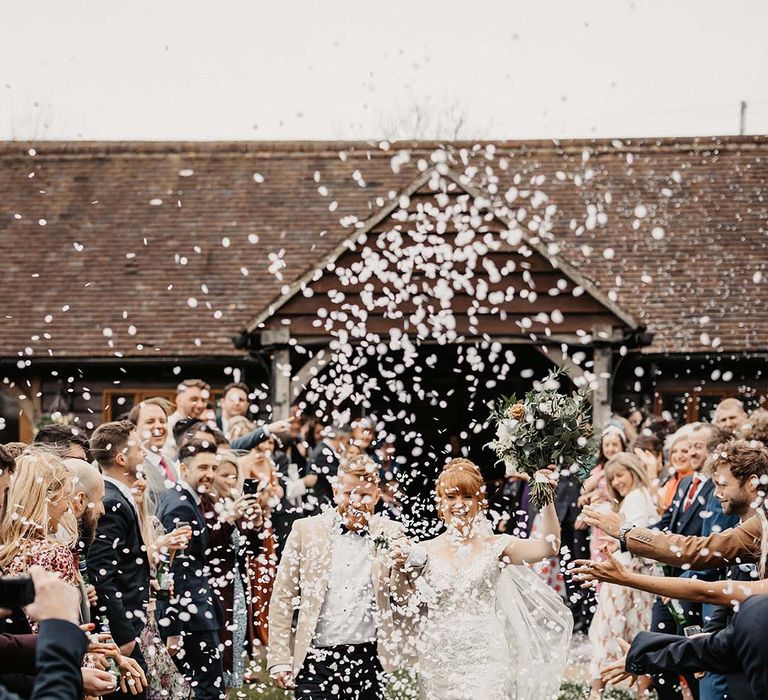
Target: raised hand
x,y
608,521
589,572
616,673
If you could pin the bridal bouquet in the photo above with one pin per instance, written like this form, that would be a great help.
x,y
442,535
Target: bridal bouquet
x,y
546,427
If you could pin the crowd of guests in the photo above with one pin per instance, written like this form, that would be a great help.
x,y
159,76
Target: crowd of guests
x,y
694,482
168,525
166,528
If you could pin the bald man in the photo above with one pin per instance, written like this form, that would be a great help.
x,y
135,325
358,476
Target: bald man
x,y
87,507
87,502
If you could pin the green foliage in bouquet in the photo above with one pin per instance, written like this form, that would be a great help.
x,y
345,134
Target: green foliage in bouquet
x,y
546,427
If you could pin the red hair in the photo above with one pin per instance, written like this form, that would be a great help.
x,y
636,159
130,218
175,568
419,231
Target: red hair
x,y
460,477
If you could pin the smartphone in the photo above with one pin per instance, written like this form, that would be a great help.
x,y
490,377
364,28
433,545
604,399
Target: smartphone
x,y
252,487
692,630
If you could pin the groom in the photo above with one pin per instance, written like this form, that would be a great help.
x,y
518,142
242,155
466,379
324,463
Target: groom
x,y
335,570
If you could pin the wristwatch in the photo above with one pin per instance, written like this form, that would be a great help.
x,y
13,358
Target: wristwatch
x,y
624,528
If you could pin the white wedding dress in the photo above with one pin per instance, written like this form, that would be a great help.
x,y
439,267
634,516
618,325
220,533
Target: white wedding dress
x,y
490,631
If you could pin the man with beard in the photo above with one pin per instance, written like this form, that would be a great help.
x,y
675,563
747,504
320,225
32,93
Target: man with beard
x,y
117,557
87,507
190,621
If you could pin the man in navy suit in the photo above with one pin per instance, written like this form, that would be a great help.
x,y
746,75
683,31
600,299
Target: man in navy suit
x,y
117,559
190,621
684,516
737,651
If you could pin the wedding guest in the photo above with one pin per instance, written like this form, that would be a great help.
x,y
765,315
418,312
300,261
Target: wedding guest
x,y
261,561
756,428
164,679
120,572
87,506
574,545
68,441
61,645
345,636
718,519
739,470
678,447
684,516
232,519
151,420
730,415
191,620
737,651
622,612
234,402
280,510
191,400
613,440
324,462
38,498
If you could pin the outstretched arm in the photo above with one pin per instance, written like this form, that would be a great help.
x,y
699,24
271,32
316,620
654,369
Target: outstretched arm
x,y
520,551
680,588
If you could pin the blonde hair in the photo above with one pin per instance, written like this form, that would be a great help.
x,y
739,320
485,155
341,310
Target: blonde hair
x,y
634,466
683,433
461,477
360,465
231,457
40,477
149,526
237,427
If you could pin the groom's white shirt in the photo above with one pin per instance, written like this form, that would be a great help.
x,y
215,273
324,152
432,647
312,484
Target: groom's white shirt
x,y
346,615
341,590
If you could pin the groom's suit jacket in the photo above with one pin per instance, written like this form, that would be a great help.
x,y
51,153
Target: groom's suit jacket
x,y
301,584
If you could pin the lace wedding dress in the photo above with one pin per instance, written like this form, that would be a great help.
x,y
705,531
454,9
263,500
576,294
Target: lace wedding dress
x,y
490,631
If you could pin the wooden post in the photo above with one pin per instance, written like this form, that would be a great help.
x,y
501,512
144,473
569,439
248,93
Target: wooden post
x,y
28,399
280,383
601,404
602,335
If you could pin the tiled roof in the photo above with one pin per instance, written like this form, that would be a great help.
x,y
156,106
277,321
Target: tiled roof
x,y
163,249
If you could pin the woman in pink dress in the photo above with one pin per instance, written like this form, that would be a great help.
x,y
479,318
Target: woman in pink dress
x,y
613,440
623,612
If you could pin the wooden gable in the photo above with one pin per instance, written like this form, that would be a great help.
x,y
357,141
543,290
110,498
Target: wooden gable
x,y
440,263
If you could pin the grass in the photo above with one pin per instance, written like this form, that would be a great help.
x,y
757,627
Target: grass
x,y
264,690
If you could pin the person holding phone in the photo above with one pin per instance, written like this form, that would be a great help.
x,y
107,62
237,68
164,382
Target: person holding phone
x,y
234,519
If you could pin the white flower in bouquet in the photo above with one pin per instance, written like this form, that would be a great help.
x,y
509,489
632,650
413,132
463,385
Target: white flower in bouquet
x,y
545,428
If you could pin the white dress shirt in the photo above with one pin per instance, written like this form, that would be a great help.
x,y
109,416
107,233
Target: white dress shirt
x,y
347,613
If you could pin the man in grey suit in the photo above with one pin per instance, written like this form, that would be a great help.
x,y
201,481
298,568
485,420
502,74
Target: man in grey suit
x,y
151,420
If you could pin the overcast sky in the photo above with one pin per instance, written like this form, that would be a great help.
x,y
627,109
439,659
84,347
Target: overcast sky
x,y
341,69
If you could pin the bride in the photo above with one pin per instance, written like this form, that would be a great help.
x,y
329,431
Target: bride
x,y
490,628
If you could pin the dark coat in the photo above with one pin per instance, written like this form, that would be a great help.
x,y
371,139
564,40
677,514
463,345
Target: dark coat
x,y
119,568
192,589
59,655
738,651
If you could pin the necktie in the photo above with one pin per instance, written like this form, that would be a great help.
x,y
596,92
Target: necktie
x,y
691,492
167,469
